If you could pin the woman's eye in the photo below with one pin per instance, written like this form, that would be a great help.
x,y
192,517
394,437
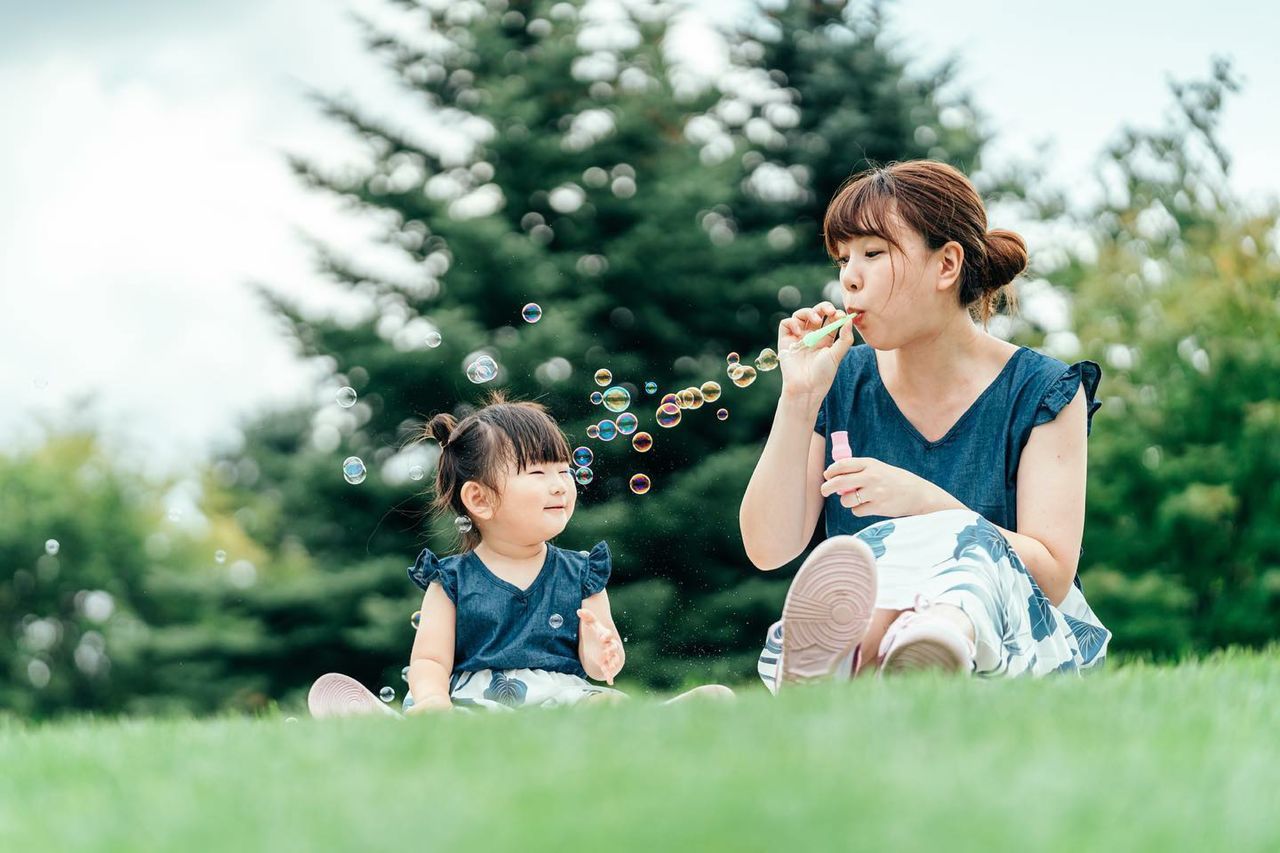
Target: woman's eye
x,y
841,261
873,254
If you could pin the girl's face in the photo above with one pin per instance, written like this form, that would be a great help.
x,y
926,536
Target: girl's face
x,y
535,505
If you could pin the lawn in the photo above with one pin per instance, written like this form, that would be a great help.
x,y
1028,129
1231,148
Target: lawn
x,y
1139,757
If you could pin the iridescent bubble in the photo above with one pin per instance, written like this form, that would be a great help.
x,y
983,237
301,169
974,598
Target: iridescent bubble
x,y
51,547
603,376
531,313
582,456
608,430
651,387
404,675
387,694
732,358
583,476
617,399
734,370
710,391
593,431
555,621
640,483
684,399
353,470
767,360
433,339
219,556
463,524
416,619
668,415
691,398
417,472
627,423
483,369
668,398
596,398
346,396
744,377
642,441
722,414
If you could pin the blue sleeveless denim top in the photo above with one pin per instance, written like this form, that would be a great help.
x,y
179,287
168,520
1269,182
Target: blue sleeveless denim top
x,y
977,460
500,626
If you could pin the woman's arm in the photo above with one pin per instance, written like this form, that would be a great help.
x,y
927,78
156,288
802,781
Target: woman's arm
x,y
782,503
599,650
431,661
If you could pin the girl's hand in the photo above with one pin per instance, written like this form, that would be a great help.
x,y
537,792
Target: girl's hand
x,y
809,372
602,646
430,704
883,489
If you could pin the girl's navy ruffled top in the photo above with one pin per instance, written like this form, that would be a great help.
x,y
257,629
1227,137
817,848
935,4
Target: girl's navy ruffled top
x,y
500,626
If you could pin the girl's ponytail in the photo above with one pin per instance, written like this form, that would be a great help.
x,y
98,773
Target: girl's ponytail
x,y
441,427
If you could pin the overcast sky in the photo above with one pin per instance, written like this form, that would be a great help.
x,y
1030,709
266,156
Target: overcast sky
x,y
143,181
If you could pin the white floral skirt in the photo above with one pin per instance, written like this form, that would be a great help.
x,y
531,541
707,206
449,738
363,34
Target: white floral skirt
x,y
957,557
506,690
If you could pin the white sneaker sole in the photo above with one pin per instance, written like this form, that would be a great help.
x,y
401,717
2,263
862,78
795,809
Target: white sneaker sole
x,y
337,695
828,608
927,647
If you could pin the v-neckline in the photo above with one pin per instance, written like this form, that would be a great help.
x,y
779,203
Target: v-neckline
x,y
508,585
893,404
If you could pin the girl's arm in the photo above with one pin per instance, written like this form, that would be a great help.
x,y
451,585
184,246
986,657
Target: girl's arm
x,y
599,649
431,661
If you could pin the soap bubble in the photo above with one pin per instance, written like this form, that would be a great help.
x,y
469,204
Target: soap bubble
x,y
346,396
627,423
603,376
710,391
404,675
744,377
291,719
51,547
219,556
596,398
651,387
353,470
642,441
531,313
416,619
734,370
593,431
668,415
617,399
583,476
582,456
417,472
608,430
387,694
767,360
483,369
463,524
433,339
732,358
555,621
722,414
690,398
669,398
640,483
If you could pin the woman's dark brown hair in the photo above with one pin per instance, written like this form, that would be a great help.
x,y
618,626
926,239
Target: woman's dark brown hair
x,y
938,202
502,436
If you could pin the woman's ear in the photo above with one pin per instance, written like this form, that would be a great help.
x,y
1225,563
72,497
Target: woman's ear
x,y
950,262
478,500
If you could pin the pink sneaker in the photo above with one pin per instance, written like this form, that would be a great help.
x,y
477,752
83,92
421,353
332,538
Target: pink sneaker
x,y
337,695
828,610
919,640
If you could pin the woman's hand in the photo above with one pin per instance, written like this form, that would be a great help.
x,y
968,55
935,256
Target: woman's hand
x,y
601,646
430,704
871,487
809,372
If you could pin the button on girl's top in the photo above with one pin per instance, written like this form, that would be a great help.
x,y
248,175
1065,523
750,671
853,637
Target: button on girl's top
x,y
500,626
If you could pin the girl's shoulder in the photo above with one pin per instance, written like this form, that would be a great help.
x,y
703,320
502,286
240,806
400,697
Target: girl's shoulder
x,y
443,570
591,569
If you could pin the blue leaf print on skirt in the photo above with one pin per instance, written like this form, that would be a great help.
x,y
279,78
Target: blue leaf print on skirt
x,y
875,536
506,691
1089,637
982,535
1042,621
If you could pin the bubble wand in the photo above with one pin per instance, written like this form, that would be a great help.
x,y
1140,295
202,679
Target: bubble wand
x,y
815,337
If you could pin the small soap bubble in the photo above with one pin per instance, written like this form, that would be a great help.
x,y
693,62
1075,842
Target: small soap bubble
x,y
387,694
219,556
346,396
463,524
603,376
710,391
617,399
596,398
51,547
767,360
415,620
640,483
531,313
608,430
583,476
627,423
555,621
582,456
668,415
744,377
433,339
417,472
353,470
732,358
593,431
404,675
690,398
483,369
669,398
642,441
651,387
722,414
291,719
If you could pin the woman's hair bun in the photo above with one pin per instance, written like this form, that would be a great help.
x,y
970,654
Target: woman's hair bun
x,y
1006,257
441,427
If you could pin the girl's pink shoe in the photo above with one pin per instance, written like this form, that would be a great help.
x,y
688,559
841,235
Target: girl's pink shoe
x,y
920,640
337,695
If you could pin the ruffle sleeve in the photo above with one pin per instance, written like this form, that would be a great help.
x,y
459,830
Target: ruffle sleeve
x,y
1063,390
429,568
599,567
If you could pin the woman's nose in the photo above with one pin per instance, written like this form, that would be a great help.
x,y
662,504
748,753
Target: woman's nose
x,y
849,280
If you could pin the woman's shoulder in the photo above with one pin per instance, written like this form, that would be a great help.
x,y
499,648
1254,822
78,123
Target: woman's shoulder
x,y
1045,385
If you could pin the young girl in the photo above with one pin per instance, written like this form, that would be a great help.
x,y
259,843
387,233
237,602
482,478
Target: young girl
x,y
512,620
949,464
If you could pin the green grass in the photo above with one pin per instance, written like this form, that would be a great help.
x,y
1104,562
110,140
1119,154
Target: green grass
x,y
1137,758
